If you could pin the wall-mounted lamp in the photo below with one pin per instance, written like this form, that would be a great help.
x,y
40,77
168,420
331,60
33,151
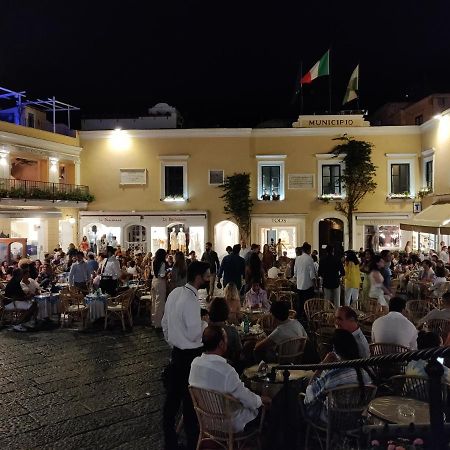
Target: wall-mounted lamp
x,y
71,220
54,164
4,153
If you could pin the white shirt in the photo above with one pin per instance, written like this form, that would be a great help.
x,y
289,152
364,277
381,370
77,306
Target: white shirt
x,y
394,328
361,341
112,268
444,256
243,252
214,373
304,271
31,288
272,272
181,322
79,273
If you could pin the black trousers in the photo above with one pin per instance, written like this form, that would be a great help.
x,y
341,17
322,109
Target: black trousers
x,y
177,383
302,296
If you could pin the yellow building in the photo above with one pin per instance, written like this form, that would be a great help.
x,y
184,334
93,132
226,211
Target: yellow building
x,y
148,182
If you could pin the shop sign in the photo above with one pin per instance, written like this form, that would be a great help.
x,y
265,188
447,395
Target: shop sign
x,y
327,121
417,207
279,220
301,181
173,219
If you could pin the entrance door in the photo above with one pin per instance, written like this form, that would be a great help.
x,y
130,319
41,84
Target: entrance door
x,y
136,238
331,232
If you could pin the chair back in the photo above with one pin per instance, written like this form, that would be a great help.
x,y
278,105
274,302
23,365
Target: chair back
x,y
268,323
286,296
291,350
315,305
322,319
215,412
413,386
440,327
380,348
346,405
369,305
384,372
417,309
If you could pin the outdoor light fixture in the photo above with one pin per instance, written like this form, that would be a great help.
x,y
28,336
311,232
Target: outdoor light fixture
x,y
53,164
120,140
437,117
71,220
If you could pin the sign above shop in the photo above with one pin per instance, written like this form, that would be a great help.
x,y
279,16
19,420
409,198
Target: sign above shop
x,y
327,121
301,181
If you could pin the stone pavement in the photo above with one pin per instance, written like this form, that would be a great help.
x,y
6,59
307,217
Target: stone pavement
x,y
66,389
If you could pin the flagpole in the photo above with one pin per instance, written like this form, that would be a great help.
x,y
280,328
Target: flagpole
x,y
329,79
301,88
357,98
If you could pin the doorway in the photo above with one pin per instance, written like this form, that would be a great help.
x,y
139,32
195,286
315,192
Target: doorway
x,y
226,233
331,232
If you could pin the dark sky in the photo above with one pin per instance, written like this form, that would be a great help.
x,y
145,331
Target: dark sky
x,y
221,63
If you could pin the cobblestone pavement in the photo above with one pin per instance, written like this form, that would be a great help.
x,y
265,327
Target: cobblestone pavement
x,y
66,389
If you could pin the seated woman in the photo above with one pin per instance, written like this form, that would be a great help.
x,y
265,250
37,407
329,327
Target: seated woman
x,y
233,299
29,286
218,315
426,339
256,297
434,289
345,348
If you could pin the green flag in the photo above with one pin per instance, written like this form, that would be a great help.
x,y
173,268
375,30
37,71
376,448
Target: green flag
x,y
352,88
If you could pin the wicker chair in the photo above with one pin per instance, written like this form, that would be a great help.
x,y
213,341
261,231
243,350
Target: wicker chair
x,y
413,386
369,306
345,407
268,323
384,372
315,305
322,319
286,296
120,306
291,350
439,326
12,315
417,309
215,413
72,306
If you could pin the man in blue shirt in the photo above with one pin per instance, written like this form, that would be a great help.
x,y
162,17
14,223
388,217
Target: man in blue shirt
x,y
92,263
232,268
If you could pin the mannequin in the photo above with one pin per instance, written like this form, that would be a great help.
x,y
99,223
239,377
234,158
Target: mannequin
x,y
181,240
173,240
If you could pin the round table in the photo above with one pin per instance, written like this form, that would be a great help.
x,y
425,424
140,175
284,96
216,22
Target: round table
x,y
387,409
96,305
253,314
48,304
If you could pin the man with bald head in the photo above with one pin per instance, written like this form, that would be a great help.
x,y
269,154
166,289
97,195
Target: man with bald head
x,y
347,319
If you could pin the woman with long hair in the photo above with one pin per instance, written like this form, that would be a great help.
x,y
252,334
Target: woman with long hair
x,y
254,271
84,245
178,275
267,258
159,287
377,288
344,348
352,277
233,300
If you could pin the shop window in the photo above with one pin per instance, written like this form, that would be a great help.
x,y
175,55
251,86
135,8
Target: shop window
x,y
174,180
400,178
270,180
331,179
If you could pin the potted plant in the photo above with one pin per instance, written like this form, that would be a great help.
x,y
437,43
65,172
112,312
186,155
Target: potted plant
x,y
275,196
265,196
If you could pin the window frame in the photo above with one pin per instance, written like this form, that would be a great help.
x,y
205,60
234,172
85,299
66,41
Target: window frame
x,y
339,166
268,161
325,159
402,158
408,180
174,161
427,157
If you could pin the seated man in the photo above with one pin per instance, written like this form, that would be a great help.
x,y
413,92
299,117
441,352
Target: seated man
x,y
211,371
273,272
256,297
347,319
286,329
29,286
394,327
443,313
15,298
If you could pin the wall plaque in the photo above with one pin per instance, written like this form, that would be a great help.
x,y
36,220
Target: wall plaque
x,y
133,176
301,181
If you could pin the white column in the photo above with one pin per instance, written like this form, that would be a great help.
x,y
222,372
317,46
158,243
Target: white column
x,y
53,170
5,164
77,172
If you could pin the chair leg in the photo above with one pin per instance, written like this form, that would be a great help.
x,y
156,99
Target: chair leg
x,y
106,319
123,320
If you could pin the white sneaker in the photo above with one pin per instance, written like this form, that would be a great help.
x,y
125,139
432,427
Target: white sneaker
x,y
20,328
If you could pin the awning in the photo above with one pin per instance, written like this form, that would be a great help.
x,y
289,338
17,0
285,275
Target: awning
x,y
425,229
437,213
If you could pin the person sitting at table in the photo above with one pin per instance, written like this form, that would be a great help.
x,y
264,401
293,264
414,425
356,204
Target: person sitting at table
x,y
211,371
45,276
256,298
438,314
286,329
15,298
29,286
426,339
427,275
347,319
438,280
273,272
218,315
394,327
132,269
233,299
344,348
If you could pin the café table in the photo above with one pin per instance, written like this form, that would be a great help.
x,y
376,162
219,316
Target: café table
x,y
255,333
253,314
48,304
96,305
400,410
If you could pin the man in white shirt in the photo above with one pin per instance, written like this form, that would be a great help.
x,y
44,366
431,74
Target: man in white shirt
x,y
211,371
305,274
443,254
273,272
109,272
394,327
347,319
79,274
182,327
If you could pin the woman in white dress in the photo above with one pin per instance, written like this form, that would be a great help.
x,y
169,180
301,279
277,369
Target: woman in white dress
x,y
377,289
159,287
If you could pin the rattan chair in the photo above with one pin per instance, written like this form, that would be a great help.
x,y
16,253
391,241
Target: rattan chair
x,y
440,327
369,306
13,315
345,408
315,305
286,296
120,306
73,307
322,319
215,412
383,372
417,309
413,386
291,350
268,323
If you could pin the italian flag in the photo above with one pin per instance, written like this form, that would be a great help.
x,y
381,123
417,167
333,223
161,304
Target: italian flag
x,y
320,68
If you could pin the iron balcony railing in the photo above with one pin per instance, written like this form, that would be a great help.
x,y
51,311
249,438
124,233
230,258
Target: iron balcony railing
x,y
42,190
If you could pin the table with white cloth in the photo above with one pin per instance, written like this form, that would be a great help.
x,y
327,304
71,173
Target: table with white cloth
x,y
400,410
48,304
96,305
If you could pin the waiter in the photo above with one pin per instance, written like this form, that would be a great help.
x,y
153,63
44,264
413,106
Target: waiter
x,y
109,272
183,329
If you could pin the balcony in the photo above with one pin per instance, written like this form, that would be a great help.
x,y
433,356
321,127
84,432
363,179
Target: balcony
x,y
41,190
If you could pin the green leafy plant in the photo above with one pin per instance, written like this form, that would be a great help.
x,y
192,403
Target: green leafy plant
x,y
357,177
237,201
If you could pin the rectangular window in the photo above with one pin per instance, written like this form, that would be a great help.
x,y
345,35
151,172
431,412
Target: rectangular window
x,y
270,179
400,178
429,174
331,179
173,181
31,120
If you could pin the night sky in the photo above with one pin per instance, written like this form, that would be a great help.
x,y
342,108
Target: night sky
x,y
221,63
